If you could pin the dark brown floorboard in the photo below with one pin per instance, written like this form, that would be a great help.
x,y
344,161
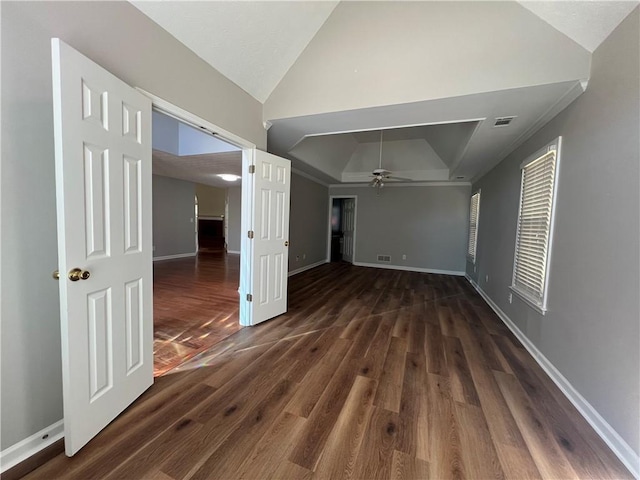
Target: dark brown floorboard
x,y
371,374
195,305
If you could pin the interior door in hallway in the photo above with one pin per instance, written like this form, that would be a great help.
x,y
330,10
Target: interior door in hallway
x,y
103,185
267,239
348,228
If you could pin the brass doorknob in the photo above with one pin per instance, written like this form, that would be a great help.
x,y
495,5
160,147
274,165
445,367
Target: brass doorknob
x,y
56,275
76,274
286,244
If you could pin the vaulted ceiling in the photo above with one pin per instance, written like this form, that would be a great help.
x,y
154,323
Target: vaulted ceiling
x,y
433,75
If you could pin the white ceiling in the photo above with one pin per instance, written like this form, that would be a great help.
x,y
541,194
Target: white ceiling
x,y
202,168
253,43
587,23
256,43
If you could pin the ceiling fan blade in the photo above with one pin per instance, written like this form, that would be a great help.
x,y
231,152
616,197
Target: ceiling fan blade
x,y
359,174
399,179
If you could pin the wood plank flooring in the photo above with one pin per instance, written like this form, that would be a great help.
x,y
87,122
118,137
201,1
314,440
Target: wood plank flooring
x,y
195,305
372,374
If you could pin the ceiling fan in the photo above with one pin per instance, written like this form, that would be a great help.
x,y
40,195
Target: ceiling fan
x,y
380,175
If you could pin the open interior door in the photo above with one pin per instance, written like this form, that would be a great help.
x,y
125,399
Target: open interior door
x,y
265,236
348,227
103,184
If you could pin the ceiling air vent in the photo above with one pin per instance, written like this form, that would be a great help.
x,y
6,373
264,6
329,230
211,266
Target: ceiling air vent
x,y
503,121
384,258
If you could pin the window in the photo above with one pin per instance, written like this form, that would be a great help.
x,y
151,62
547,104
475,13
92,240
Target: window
x,y
535,225
474,213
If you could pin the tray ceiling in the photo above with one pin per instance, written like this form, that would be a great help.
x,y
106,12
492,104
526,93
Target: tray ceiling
x,y
311,65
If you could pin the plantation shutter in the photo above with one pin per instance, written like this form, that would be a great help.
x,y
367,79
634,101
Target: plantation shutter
x,y
474,212
534,227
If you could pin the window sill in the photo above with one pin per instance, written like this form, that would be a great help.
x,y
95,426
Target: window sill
x,y
523,296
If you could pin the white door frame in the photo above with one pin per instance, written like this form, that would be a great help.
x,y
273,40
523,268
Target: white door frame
x,y
194,120
246,185
196,212
355,224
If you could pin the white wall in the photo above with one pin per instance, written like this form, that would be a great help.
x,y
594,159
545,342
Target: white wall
x,y
427,224
165,133
177,138
126,42
591,332
196,142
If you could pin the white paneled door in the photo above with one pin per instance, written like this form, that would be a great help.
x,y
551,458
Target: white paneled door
x,y
268,248
103,184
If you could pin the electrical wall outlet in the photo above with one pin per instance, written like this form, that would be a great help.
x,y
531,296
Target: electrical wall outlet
x,y
486,278
404,257
510,297
297,258
304,256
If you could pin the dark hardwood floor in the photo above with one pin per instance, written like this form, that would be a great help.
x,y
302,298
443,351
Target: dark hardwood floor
x,y
195,305
372,374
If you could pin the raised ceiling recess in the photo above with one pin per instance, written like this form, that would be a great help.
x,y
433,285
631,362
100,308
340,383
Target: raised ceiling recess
x,y
187,153
421,153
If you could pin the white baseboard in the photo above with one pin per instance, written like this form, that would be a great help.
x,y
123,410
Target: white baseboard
x,y
172,257
305,268
615,442
233,252
24,449
409,269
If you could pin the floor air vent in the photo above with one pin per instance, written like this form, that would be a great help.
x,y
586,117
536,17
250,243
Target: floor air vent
x,y
384,258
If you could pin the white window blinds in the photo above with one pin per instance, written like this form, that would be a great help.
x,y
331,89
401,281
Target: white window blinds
x,y
534,226
474,213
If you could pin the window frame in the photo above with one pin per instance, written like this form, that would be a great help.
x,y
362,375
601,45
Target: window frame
x,y
541,306
472,257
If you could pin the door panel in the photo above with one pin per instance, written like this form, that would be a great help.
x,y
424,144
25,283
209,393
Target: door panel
x,y
268,199
103,187
348,227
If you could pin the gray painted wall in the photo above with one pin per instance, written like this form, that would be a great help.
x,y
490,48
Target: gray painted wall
x,y
427,224
457,40
126,42
234,200
174,228
591,332
309,217
211,200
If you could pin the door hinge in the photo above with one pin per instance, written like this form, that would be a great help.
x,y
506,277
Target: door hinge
x,y
252,169
250,234
249,297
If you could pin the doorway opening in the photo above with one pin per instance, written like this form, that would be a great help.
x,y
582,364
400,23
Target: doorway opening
x,y
342,228
196,240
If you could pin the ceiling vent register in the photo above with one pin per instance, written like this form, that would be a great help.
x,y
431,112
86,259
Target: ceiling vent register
x,y
503,121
